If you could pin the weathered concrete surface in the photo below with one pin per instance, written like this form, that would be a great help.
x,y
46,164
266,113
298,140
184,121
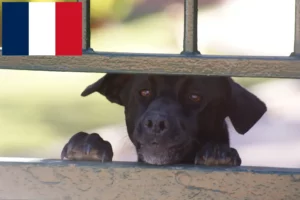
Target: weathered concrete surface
x,y
54,179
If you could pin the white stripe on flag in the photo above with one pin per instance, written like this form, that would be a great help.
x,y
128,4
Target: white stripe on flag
x,y
42,28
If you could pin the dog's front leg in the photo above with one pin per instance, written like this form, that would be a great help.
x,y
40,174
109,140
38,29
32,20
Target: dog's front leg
x,y
84,146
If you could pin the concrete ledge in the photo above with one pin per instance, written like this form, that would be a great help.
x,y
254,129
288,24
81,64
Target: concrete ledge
x,y
54,179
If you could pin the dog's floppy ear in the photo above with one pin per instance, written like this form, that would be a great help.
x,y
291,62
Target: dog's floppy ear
x,y
110,86
245,108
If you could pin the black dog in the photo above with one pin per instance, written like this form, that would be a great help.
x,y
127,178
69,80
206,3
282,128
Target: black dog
x,y
173,119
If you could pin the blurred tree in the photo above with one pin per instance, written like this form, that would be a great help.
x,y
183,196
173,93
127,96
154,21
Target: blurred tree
x,y
102,11
110,10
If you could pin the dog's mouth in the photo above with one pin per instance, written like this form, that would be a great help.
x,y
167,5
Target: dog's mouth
x,y
162,154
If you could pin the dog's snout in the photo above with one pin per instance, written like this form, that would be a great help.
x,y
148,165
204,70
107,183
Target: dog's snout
x,y
156,123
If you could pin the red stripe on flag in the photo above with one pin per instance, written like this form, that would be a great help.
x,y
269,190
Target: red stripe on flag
x,y
68,28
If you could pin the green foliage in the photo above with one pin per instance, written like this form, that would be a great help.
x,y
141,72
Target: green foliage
x,y
38,108
111,9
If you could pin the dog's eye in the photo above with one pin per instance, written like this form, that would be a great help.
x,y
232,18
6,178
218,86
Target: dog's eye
x,y
195,98
145,93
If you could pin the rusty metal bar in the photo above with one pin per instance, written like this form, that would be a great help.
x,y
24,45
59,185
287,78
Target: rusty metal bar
x,y
190,27
240,66
86,25
55,179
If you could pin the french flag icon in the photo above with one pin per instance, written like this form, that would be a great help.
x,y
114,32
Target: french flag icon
x,y
41,28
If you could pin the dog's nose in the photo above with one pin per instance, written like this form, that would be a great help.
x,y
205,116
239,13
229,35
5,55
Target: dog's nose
x,y
156,123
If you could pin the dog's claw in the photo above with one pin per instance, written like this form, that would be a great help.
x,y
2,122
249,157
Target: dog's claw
x,y
64,152
218,155
83,146
87,149
103,156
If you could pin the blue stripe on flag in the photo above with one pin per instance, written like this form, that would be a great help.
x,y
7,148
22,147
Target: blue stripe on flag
x,y
15,25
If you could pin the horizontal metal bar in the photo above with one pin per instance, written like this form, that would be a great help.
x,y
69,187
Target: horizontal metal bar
x,y
55,179
239,66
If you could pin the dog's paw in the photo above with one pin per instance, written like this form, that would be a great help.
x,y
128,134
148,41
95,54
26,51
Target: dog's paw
x,y
83,146
218,155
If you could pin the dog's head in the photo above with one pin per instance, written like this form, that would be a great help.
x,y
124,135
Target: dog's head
x,y
166,114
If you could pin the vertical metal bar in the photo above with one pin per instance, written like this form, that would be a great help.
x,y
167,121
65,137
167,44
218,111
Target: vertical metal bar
x,y
86,26
297,29
190,27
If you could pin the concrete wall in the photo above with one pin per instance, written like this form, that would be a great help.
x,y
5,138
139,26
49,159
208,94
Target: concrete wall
x,y
54,179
